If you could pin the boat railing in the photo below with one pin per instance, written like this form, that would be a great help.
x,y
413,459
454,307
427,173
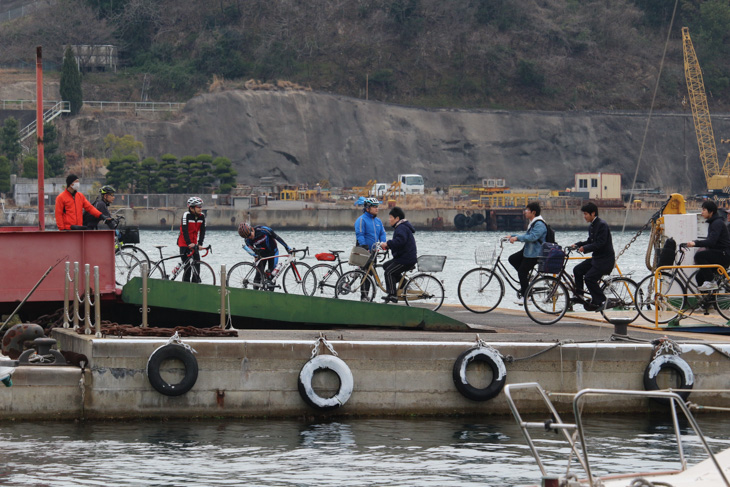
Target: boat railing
x,y
570,430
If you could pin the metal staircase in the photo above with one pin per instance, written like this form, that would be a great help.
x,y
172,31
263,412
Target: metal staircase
x,y
57,109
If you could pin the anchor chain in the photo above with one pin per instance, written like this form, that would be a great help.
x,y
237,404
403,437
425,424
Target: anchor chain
x,y
666,346
653,219
323,340
175,340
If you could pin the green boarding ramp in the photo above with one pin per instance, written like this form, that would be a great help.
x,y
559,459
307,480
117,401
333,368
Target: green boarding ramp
x,y
285,308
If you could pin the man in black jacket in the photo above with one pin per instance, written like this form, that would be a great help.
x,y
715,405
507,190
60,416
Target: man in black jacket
x,y
601,245
717,247
405,254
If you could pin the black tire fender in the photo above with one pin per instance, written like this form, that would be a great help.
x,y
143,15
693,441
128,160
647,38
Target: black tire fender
x,y
676,363
172,352
336,365
493,359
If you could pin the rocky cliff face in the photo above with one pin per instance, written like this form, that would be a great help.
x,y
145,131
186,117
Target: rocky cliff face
x,y
306,137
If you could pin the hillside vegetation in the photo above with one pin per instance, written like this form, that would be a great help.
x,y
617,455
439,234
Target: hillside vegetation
x,y
513,54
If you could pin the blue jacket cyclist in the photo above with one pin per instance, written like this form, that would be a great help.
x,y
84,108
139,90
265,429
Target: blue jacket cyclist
x,y
261,241
368,227
534,237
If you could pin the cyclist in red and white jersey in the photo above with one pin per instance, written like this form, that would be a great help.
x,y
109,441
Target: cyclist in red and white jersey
x,y
192,234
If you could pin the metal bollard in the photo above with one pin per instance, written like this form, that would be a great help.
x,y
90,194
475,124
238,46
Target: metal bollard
x,y
87,299
97,303
223,297
144,290
76,296
66,282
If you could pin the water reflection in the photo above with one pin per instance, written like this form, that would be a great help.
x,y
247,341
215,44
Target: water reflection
x,y
362,452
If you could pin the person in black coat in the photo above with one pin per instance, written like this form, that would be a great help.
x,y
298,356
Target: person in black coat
x,y
405,253
717,246
601,245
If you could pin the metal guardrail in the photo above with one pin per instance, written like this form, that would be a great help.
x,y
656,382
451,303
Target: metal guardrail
x,y
139,106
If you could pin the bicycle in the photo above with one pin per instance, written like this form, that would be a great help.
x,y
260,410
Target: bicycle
x,y
676,296
548,298
421,290
247,275
126,255
320,279
205,275
481,289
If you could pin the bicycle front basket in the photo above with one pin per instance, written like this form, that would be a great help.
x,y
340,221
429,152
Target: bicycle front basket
x,y
130,235
359,256
431,263
484,256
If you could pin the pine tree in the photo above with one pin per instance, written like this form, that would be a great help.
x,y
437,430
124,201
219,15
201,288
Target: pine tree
x,y
71,82
10,142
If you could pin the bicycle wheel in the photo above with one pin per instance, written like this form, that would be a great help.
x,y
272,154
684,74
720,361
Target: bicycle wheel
x,y
546,300
355,286
621,296
294,277
245,275
480,290
137,252
320,281
123,263
424,291
156,272
667,307
206,274
722,298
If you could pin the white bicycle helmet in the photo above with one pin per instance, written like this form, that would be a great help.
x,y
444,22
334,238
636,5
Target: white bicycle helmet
x,y
369,202
195,201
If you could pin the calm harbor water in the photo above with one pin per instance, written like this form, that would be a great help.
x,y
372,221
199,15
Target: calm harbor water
x,y
459,247
367,452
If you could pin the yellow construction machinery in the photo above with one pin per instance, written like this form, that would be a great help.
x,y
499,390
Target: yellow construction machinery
x,y
718,179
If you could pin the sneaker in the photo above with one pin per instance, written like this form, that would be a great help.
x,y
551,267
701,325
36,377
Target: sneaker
x,y
518,302
592,307
364,299
708,286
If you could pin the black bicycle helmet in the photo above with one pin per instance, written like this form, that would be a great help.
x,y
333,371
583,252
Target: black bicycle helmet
x,y
107,190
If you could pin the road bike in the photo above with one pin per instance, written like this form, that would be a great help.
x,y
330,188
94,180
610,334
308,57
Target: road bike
x,y
481,289
200,272
320,279
422,289
674,296
549,297
126,254
247,275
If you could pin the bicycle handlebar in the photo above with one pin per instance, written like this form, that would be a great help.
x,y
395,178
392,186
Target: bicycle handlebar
x,y
208,250
295,251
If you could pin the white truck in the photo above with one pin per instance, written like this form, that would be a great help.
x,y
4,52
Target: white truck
x,y
411,184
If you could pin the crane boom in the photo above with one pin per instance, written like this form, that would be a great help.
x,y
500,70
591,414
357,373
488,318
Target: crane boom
x,y
717,179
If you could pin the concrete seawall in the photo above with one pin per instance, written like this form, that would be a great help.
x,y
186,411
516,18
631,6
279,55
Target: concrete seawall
x,y
328,217
258,378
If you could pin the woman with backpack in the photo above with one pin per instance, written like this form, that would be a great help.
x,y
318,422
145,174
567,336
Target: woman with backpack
x,y
534,237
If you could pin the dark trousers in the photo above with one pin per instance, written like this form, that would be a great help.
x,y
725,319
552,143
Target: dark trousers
x,y
591,272
393,272
705,257
523,265
188,272
263,264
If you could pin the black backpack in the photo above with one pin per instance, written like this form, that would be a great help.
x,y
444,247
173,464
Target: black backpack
x,y
550,235
666,256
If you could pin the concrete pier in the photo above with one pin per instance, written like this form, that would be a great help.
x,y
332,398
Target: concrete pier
x,y
395,372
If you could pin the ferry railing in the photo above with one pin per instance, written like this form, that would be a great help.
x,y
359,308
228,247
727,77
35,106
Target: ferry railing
x,y
556,424
71,284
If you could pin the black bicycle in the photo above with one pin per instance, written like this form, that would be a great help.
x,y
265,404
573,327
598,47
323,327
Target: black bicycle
x,y
549,297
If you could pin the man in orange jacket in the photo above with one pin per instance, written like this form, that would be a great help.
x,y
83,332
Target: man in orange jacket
x,y
69,206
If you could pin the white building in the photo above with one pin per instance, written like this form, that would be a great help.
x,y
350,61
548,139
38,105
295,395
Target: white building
x,y
599,185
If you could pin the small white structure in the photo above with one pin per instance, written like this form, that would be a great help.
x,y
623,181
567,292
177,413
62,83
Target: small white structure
x,y
90,57
599,185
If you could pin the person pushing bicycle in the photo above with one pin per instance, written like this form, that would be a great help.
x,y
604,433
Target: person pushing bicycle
x,y
369,231
261,241
192,234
